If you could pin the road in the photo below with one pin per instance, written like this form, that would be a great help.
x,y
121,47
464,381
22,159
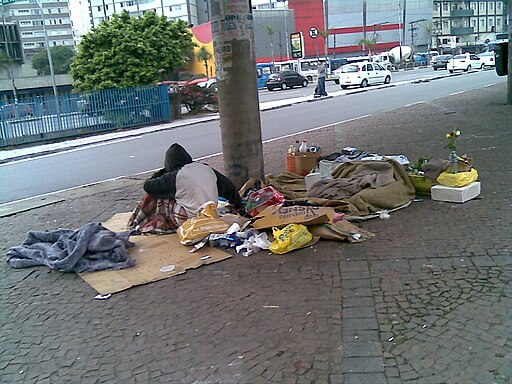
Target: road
x,y
49,173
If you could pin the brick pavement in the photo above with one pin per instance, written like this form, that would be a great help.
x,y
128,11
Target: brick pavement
x,y
428,300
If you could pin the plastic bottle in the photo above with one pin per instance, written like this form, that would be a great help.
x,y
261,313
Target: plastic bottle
x,y
303,146
291,150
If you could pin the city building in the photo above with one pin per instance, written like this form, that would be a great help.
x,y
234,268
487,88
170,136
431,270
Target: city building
x,y
338,27
27,27
192,11
467,25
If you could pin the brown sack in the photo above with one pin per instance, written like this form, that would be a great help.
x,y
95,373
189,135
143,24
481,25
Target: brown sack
x,y
342,231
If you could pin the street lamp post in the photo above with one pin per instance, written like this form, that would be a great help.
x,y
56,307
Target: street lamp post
x,y
50,62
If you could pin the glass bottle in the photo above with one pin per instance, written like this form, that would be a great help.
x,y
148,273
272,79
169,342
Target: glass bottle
x,y
303,146
453,162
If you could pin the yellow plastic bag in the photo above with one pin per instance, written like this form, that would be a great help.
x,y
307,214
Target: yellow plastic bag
x,y
459,179
291,237
195,229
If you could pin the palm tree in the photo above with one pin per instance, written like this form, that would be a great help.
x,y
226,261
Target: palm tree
x,y
204,56
6,64
429,28
367,43
270,31
325,34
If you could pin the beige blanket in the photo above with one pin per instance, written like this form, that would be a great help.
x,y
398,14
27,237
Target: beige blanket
x,y
358,188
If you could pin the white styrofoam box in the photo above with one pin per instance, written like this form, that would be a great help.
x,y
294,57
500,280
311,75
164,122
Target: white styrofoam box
x,y
455,195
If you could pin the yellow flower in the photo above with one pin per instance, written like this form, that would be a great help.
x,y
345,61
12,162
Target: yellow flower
x,y
448,136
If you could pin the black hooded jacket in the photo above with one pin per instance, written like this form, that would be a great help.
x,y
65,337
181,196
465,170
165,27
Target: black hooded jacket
x,y
166,183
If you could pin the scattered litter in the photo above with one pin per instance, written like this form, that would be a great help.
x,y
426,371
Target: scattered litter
x,y
102,297
206,257
309,313
391,339
384,215
424,325
417,200
356,337
290,330
270,306
199,245
138,334
131,157
167,268
356,236
254,243
21,371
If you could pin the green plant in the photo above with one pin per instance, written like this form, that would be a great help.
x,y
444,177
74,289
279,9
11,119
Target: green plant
x,y
452,140
197,99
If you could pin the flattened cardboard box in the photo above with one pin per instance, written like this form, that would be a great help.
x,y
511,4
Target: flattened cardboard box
x,y
278,216
150,253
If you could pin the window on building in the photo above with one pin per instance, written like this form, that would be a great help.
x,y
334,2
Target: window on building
x,y
473,6
20,11
106,6
473,23
491,7
498,21
25,23
498,6
37,22
99,8
122,4
445,6
482,23
49,11
36,11
482,6
27,34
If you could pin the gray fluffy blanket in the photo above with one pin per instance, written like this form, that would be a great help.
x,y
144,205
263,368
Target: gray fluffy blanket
x,y
90,248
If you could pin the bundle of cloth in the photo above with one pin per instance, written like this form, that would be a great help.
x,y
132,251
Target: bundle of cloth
x,y
357,188
90,248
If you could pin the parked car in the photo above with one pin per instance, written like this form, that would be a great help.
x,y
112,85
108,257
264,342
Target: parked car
x,y
465,62
488,58
362,74
210,83
440,62
14,110
285,79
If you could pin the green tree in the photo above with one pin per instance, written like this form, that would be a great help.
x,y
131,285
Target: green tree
x,y
131,51
270,31
61,60
325,34
204,56
368,43
6,65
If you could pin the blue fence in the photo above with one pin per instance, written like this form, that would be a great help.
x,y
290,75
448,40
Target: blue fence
x,y
46,118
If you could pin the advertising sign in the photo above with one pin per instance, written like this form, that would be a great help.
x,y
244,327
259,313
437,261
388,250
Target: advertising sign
x,y
297,43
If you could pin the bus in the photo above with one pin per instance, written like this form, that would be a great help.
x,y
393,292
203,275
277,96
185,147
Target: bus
x,y
263,71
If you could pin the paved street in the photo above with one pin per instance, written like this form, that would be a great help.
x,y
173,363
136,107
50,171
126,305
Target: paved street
x,y
427,300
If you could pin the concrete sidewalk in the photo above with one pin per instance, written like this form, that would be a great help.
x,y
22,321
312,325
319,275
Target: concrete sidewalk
x,y
428,300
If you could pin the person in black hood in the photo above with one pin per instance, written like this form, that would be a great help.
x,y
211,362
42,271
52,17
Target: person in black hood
x,y
175,193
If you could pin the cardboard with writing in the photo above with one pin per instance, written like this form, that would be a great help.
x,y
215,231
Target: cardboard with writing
x,y
278,216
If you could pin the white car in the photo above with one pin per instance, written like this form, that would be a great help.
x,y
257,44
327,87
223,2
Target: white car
x,y
488,59
465,62
362,74
211,83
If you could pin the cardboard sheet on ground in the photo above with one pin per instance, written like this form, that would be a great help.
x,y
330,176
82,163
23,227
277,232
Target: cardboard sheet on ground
x,y
151,253
278,216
